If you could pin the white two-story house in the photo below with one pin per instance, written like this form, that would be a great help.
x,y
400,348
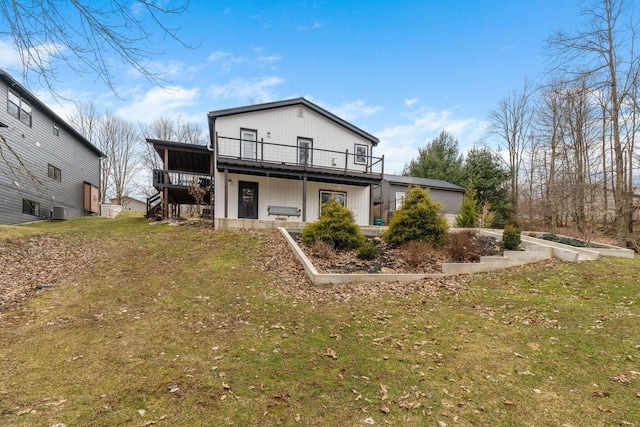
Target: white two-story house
x,y
47,169
282,160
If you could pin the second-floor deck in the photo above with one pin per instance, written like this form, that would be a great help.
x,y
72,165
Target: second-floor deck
x,y
246,156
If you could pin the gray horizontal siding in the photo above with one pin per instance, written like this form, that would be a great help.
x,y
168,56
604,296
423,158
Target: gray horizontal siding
x,y
37,147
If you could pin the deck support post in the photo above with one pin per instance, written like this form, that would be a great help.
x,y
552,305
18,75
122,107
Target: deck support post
x,y
304,198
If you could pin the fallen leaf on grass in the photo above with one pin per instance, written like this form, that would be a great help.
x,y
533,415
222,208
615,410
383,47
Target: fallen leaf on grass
x,y
369,421
622,379
384,391
509,403
331,353
385,409
24,411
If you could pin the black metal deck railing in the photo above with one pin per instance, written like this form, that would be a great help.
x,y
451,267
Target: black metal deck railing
x,y
180,179
355,162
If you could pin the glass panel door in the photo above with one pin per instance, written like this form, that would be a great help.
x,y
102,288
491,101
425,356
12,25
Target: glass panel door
x,y
248,200
248,144
305,151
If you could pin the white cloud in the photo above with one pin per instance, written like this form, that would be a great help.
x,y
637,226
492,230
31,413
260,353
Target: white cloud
x,y
218,55
227,60
158,102
410,102
313,26
247,90
9,56
352,110
400,144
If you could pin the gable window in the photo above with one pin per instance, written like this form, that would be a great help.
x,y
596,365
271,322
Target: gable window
x,y
325,196
56,130
19,108
361,154
54,173
248,147
305,151
30,208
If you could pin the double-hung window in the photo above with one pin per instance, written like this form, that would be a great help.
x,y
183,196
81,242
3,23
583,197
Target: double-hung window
x,y
19,108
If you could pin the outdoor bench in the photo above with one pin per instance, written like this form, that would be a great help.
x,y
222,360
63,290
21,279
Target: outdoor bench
x,y
283,211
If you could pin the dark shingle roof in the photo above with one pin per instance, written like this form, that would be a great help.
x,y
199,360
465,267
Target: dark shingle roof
x,y
423,182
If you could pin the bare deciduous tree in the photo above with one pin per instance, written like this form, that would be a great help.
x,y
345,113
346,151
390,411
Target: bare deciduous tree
x,y
603,50
86,36
511,121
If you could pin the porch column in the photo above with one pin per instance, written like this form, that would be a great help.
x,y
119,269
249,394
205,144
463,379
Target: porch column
x,y
226,193
165,190
371,204
304,198
212,189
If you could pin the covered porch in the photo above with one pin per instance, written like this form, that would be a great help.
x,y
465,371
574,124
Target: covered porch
x,y
186,178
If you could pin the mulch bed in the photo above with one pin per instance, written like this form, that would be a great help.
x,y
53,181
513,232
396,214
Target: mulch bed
x,y
391,259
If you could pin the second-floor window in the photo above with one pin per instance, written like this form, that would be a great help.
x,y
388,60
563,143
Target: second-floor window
x,y
54,173
305,151
19,108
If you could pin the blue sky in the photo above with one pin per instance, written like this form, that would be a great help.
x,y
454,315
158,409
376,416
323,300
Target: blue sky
x,y
402,71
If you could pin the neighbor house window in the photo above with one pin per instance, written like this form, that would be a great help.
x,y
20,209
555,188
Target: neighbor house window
x,y
30,208
56,130
361,154
55,173
325,196
399,199
19,108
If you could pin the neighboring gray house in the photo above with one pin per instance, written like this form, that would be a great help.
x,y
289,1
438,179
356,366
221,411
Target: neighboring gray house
x,y
47,169
394,188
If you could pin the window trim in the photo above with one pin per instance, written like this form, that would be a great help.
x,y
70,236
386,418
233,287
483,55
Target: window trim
x,y
25,115
243,155
54,173
332,193
309,150
29,207
358,157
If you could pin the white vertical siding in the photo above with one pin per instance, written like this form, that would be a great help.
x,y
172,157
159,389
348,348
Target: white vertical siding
x,y
283,126
288,192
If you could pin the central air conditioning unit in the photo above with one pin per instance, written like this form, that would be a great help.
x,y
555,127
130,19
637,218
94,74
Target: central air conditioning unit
x,y
59,213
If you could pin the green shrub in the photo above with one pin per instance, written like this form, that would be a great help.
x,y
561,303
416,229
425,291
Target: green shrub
x,y
368,251
469,211
335,226
418,219
511,237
